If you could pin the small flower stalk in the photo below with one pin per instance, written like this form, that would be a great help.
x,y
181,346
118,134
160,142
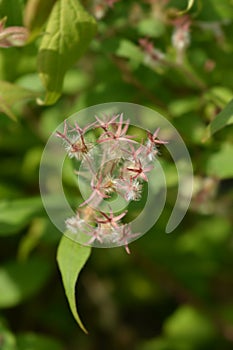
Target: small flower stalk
x,y
112,164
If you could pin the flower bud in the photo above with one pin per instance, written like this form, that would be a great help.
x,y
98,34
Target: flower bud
x,y
12,36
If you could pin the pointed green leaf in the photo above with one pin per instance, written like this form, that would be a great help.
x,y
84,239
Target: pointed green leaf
x,y
224,118
67,35
71,258
11,94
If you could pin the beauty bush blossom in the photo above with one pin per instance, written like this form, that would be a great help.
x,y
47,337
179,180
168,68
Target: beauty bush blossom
x,y
110,219
119,134
115,164
75,145
129,189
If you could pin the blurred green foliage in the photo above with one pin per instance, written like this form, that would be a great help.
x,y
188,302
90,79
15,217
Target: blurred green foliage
x,y
174,292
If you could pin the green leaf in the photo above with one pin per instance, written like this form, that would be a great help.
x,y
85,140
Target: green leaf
x,y
67,35
189,326
224,118
11,94
36,13
7,339
12,9
17,213
179,107
128,49
220,163
31,341
215,10
151,27
31,239
19,281
71,258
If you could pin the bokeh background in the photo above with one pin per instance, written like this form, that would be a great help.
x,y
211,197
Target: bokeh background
x,y
175,291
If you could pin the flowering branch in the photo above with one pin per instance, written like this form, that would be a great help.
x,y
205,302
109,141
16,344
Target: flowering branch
x,y
124,165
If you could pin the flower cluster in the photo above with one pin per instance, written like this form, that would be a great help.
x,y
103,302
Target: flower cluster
x,y
116,164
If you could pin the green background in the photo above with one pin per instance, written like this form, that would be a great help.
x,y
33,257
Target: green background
x,y
174,292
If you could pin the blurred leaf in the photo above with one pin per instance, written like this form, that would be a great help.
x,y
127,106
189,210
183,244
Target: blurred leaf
x,y
151,27
220,164
224,118
221,94
191,127
11,94
31,163
129,50
188,325
7,339
75,80
215,10
19,281
67,35
12,9
157,344
36,13
14,62
71,258
204,240
16,214
178,107
30,81
31,239
31,341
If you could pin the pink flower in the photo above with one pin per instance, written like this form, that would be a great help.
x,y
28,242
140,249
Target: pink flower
x,y
75,223
133,153
76,146
99,191
130,189
140,171
96,235
110,218
153,138
80,130
105,125
125,235
119,134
